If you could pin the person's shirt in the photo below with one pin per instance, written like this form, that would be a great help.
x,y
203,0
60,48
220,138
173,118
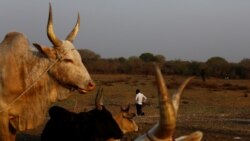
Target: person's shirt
x,y
140,98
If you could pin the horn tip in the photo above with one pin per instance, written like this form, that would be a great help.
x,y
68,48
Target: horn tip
x,y
50,5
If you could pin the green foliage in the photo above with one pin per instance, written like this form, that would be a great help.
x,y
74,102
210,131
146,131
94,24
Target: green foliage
x,y
218,67
214,66
238,71
147,57
88,54
160,59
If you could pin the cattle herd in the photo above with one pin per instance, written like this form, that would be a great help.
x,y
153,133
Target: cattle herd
x,y
30,81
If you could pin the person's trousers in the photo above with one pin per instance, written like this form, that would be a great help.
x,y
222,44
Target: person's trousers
x,y
139,109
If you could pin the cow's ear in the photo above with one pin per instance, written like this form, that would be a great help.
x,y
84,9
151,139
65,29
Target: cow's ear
x,y
49,52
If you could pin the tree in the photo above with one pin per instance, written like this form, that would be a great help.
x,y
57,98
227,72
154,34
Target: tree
x,y
147,57
136,64
238,71
244,68
89,58
194,68
160,59
245,62
87,54
218,67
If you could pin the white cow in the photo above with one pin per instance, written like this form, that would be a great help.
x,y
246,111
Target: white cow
x,y
31,81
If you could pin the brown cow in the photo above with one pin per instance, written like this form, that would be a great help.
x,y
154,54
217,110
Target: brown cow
x,y
125,120
164,129
31,81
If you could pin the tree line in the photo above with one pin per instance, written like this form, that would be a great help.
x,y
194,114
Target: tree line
x,y
143,64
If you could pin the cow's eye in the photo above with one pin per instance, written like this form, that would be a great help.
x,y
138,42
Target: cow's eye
x,y
68,60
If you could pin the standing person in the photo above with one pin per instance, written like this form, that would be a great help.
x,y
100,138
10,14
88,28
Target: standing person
x,y
139,99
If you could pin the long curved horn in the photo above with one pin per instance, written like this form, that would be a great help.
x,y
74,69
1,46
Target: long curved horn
x,y
74,32
99,99
50,30
167,121
176,97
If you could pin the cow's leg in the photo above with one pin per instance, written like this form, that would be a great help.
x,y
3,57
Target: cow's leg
x,y
6,134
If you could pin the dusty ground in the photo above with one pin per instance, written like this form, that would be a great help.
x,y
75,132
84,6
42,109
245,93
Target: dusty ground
x,y
219,108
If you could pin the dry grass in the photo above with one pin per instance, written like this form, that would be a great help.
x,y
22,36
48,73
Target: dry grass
x,y
220,108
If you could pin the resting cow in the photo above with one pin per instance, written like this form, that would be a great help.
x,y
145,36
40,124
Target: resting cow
x,y
31,81
125,120
95,125
164,129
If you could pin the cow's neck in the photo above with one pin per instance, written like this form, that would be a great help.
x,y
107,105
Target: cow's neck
x,y
39,97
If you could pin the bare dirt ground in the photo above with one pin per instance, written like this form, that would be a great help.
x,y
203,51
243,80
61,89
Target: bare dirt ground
x,y
219,108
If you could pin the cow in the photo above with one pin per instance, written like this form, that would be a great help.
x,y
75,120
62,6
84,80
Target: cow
x,y
125,120
30,81
164,129
95,125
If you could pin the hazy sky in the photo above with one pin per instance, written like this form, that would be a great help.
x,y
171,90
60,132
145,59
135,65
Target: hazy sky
x,y
178,29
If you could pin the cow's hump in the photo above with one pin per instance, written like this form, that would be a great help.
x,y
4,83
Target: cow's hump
x,y
15,42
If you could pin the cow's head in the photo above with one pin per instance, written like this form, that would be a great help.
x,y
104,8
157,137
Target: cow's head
x,y
105,124
125,120
164,129
68,69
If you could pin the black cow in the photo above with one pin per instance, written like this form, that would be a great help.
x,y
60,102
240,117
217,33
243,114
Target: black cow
x,y
95,125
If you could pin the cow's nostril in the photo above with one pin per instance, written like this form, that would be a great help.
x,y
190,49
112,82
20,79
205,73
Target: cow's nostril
x,y
91,85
